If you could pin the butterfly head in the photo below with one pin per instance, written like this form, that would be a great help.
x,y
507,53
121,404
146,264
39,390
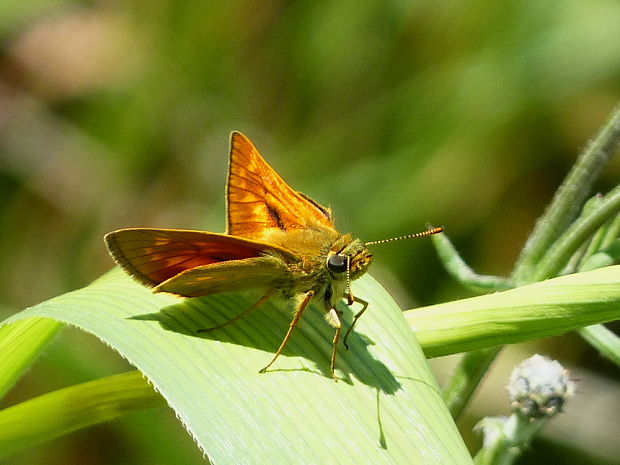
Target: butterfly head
x,y
348,258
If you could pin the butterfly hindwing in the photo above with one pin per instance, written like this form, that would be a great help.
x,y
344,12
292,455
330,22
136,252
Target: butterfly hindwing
x,y
249,273
153,256
259,200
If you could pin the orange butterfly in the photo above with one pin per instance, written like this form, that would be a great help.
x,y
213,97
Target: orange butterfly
x,y
278,240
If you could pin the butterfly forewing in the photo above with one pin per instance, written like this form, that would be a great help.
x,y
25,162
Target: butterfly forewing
x,y
259,200
155,255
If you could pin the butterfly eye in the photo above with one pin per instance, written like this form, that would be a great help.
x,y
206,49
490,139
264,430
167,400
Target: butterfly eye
x,y
337,263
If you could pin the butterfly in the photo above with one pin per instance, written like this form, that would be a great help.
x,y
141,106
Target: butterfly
x,y
278,240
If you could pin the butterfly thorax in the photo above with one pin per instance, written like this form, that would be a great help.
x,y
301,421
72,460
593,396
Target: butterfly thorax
x,y
326,257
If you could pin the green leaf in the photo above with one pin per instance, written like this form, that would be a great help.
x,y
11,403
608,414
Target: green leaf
x,y
386,409
548,308
20,343
60,412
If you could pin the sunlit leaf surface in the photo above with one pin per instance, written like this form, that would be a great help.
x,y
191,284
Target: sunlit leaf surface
x,y
386,408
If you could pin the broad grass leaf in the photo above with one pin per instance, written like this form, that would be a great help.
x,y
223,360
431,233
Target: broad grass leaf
x,y
386,409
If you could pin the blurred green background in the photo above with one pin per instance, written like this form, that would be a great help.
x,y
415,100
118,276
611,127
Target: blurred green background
x,y
467,115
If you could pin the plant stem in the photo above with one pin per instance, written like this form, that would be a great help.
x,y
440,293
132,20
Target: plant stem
x,y
466,377
568,199
561,211
560,252
462,272
513,435
612,233
603,340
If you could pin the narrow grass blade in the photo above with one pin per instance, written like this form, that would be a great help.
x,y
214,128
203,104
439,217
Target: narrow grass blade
x,y
60,412
20,343
539,310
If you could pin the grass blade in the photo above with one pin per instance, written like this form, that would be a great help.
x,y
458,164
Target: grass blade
x,y
66,410
20,344
386,409
539,310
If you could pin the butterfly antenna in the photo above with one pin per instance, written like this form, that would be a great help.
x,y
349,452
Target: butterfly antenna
x,y
349,275
428,232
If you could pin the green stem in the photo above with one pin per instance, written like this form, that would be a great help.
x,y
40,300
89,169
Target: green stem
x,y
559,254
558,215
603,340
605,256
513,436
612,233
594,244
466,377
568,199
598,336
461,271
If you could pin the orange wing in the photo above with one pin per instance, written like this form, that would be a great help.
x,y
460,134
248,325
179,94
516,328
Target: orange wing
x,y
153,256
235,275
259,199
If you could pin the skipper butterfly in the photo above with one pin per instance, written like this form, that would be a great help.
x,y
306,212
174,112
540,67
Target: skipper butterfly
x,y
278,240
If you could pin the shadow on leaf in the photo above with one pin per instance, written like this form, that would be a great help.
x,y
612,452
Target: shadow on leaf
x,y
265,328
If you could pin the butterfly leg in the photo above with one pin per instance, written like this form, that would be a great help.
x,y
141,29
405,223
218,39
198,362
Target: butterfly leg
x,y
247,311
355,318
298,313
334,320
